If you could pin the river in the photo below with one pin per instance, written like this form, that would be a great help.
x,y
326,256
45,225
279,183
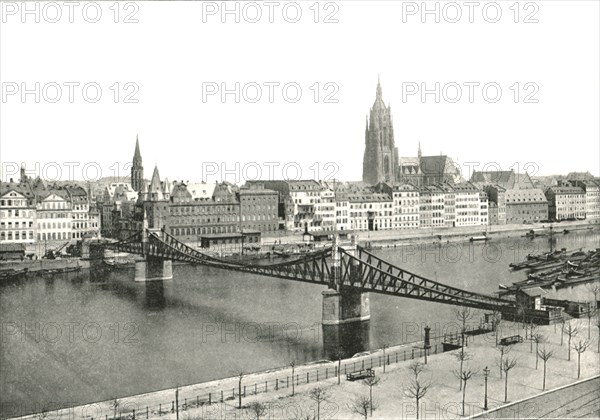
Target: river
x,y
70,339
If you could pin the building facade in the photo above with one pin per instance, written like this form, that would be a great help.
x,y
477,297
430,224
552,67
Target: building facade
x,y
566,203
17,215
525,205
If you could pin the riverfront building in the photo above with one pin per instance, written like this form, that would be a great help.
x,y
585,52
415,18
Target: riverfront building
x,y
526,205
566,203
592,197
17,214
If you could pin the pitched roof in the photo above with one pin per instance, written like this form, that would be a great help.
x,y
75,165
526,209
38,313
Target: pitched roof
x,y
534,195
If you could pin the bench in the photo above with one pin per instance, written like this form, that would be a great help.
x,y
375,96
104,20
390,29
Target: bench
x,y
361,374
513,339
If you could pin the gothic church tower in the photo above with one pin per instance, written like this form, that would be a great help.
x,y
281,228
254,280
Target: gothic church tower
x,y
137,170
380,162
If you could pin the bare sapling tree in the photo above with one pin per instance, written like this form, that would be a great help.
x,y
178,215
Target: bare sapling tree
x,y
464,376
461,356
258,409
537,338
371,381
416,387
464,314
503,350
318,395
507,364
545,355
362,406
571,331
580,347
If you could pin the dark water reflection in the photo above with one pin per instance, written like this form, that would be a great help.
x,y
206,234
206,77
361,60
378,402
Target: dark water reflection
x,y
86,337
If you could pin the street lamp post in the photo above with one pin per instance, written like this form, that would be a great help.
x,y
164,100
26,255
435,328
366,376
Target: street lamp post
x,y
486,372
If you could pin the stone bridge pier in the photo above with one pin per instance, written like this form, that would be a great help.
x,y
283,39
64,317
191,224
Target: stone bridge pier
x,y
152,268
344,304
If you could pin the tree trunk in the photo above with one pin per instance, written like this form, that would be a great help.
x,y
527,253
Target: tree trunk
x,y
417,409
460,373
501,356
505,386
578,364
544,383
463,400
536,356
371,399
569,354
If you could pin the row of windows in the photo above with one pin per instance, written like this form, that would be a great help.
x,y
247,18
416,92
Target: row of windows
x,y
17,213
202,209
13,203
16,235
17,224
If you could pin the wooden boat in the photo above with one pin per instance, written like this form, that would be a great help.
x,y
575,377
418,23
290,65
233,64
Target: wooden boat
x,y
479,238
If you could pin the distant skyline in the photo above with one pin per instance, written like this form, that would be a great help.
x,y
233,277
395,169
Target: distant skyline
x,y
171,58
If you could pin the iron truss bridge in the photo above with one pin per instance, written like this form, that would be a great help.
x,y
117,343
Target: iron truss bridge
x,y
334,267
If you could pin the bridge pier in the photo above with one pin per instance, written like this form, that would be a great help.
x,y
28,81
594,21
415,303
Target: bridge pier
x,y
347,305
152,269
341,303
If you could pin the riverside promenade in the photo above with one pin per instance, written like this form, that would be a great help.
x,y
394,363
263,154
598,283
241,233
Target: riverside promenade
x,y
463,233
443,399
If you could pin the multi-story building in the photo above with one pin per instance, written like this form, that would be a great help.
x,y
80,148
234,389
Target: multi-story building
x,y
190,216
492,213
259,209
370,211
437,206
405,204
297,202
525,205
449,205
17,214
425,211
342,211
592,197
85,218
467,204
111,201
483,208
497,196
54,216
325,211
566,203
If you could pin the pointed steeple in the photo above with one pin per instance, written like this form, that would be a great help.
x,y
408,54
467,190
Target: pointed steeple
x,y
419,152
379,94
137,156
155,185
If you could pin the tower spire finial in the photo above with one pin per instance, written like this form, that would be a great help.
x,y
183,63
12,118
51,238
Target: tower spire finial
x,y
419,152
378,87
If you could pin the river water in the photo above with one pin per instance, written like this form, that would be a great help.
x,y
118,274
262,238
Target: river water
x,y
72,339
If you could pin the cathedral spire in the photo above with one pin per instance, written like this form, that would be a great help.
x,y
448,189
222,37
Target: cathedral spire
x,y
419,152
137,169
378,88
137,156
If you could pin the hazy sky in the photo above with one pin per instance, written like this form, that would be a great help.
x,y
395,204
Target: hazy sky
x,y
177,54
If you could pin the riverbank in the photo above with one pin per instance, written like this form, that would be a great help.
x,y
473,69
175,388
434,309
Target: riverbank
x,y
46,265
442,399
455,234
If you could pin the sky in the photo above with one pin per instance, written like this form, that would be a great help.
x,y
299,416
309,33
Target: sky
x,y
508,85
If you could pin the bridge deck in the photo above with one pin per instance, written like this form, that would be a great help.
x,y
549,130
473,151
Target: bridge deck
x,y
358,269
